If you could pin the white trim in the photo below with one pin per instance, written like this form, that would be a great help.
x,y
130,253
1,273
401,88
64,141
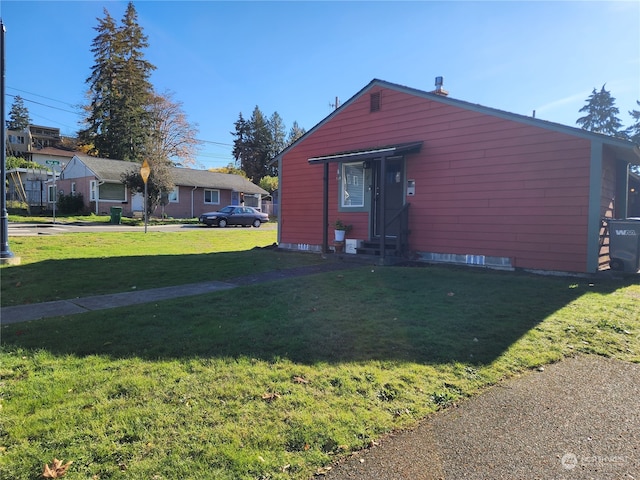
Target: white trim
x,y
204,196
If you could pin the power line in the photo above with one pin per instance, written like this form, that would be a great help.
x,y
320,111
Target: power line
x,y
41,96
80,114
215,143
43,104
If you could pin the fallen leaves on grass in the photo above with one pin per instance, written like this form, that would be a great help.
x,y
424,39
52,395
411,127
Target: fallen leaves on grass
x,y
298,379
270,397
56,470
323,470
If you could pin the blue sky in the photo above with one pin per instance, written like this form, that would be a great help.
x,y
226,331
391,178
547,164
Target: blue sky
x,y
296,57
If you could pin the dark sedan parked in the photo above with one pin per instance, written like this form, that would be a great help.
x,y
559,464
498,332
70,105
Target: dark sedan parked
x,y
234,215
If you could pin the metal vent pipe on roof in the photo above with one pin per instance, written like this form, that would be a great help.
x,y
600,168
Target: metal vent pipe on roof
x,y
439,89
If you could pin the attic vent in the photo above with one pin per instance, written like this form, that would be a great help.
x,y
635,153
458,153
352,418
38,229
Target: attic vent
x,y
375,102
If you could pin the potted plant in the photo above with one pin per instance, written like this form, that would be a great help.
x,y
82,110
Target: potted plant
x,y
340,230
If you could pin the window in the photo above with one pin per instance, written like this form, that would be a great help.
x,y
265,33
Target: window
x,y
112,191
52,194
174,195
352,185
73,188
212,196
92,190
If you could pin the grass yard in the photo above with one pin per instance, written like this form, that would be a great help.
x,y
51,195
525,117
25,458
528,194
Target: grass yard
x,y
278,380
55,267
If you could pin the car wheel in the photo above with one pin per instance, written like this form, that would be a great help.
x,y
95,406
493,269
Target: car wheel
x,y
257,223
222,223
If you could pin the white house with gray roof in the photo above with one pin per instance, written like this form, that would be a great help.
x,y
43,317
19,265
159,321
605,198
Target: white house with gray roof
x,y
99,180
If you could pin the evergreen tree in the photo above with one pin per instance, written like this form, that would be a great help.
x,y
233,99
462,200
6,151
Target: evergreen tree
x,y
295,133
240,146
118,119
278,134
260,143
253,145
633,132
18,115
257,141
601,114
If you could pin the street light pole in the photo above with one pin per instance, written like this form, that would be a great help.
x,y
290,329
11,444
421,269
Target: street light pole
x,y
6,255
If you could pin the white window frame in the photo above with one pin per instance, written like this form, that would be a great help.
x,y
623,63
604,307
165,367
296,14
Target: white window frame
x,y
51,193
211,191
73,188
93,188
352,180
174,195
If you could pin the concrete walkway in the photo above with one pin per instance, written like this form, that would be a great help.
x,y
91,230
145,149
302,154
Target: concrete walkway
x,y
37,311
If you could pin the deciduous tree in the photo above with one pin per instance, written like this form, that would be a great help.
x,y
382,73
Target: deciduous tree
x,y
171,135
159,184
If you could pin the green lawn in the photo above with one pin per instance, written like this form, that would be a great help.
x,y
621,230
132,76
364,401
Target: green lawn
x,y
65,266
278,380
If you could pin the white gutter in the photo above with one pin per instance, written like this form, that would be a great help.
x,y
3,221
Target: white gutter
x,y
192,205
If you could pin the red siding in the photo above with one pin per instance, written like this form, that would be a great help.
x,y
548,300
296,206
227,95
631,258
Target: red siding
x,y
484,185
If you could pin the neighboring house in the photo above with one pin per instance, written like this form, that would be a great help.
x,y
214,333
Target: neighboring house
x,y
99,180
432,178
35,137
46,155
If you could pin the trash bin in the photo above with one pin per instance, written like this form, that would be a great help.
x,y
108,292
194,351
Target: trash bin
x,y
116,215
624,245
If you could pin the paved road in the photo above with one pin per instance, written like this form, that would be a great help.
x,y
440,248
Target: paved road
x,y
32,229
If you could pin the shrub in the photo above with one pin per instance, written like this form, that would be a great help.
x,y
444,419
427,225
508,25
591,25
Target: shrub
x,y
70,204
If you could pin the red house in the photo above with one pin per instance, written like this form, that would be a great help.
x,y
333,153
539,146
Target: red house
x,y
425,176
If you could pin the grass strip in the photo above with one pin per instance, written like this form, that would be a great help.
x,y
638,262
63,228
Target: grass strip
x,y
277,380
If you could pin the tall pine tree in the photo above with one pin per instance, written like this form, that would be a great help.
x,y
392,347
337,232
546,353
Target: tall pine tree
x,y
295,133
117,122
278,135
601,114
633,132
258,140
18,115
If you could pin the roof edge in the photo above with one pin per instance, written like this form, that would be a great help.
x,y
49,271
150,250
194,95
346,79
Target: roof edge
x,y
546,124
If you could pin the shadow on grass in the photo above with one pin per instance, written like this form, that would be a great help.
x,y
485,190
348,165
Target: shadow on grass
x,y
424,315
78,277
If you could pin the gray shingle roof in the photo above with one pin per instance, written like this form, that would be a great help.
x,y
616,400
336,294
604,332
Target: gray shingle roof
x,y
112,170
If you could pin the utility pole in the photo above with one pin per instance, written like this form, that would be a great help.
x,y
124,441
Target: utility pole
x,y
6,255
